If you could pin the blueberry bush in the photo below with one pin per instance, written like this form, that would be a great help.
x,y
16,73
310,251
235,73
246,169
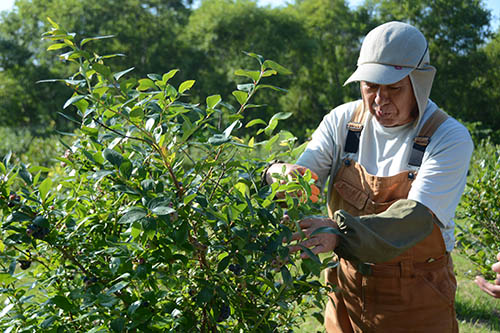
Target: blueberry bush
x,y
478,236
155,218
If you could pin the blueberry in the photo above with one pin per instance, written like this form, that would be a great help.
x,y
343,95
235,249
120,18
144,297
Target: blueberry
x,y
25,264
235,268
224,312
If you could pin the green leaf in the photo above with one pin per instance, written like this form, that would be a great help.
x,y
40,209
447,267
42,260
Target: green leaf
x,y
281,115
255,122
254,75
137,113
52,23
169,75
229,129
56,46
213,101
241,96
171,91
277,67
274,122
145,84
118,324
268,86
92,131
107,301
44,188
86,40
118,75
126,169
218,139
269,73
101,69
61,302
204,296
113,156
73,100
186,85
132,215
82,105
271,141
118,286
114,265
6,309
6,278
223,264
26,176
187,199
133,307
154,77
259,58
246,87
163,210
48,322
310,254
285,274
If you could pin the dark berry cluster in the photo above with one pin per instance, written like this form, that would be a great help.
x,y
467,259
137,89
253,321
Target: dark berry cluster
x,y
36,231
24,264
89,280
235,268
224,312
39,228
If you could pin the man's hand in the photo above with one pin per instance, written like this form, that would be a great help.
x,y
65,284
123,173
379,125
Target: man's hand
x,y
489,288
291,171
319,243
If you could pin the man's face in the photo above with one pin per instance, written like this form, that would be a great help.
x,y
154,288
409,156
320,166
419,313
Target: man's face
x,y
393,104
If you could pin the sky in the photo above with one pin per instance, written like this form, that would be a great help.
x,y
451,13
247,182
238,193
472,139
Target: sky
x,y
493,5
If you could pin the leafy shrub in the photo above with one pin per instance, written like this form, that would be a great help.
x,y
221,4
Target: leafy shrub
x,y
159,221
27,146
479,235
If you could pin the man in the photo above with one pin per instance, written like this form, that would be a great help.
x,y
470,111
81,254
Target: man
x,y
490,288
397,167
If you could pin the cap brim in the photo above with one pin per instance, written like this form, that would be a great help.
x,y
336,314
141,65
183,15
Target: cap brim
x,y
379,74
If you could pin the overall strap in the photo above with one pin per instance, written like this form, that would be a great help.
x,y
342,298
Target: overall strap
x,y
354,128
424,136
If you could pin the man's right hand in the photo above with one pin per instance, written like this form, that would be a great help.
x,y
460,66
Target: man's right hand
x,y
291,171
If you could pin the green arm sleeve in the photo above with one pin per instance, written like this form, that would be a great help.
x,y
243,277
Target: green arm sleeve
x,y
381,237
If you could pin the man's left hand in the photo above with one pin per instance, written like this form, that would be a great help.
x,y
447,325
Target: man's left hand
x,y
319,243
490,288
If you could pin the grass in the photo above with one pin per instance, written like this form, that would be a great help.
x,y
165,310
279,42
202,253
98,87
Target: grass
x,y
476,311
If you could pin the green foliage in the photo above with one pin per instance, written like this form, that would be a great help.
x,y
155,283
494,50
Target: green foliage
x,y
319,41
26,147
479,235
158,221
146,32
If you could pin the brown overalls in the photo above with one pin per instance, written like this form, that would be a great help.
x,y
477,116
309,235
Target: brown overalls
x,y
414,292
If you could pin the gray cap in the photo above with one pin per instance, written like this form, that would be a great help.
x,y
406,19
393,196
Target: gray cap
x,y
392,51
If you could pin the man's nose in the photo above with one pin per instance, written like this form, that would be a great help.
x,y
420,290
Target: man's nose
x,y
381,96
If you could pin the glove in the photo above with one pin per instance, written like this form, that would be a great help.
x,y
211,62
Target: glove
x,y
381,237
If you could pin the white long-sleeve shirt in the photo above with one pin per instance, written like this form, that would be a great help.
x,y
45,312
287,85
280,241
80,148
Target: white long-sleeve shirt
x,y
385,151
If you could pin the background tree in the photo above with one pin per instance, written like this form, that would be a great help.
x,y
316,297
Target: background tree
x,y
146,32
334,32
244,26
318,40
